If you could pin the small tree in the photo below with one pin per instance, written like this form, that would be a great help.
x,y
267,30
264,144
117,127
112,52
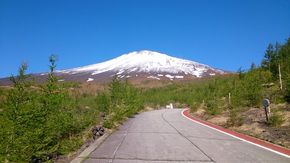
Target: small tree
x,y
23,116
268,57
253,67
241,73
17,97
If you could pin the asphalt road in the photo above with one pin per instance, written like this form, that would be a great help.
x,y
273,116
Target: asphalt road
x,y
165,136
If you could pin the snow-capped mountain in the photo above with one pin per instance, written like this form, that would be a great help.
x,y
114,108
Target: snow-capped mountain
x,y
136,66
149,64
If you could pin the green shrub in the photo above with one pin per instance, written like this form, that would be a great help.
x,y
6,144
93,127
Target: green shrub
x,y
276,120
212,107
194,106
234,118
103,102
124,100
108,124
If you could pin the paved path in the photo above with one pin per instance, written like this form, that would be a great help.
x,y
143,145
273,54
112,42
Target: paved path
x,y
165,136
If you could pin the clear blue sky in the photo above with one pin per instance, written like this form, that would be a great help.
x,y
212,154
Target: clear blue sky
x,y
224,34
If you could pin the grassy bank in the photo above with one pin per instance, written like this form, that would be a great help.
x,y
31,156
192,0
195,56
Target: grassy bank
x,y
42,122
232,99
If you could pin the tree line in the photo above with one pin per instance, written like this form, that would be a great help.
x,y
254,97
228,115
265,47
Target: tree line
x,y
42,122
235,92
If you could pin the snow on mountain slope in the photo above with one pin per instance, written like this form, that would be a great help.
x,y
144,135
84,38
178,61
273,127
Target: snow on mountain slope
x,y
138,67
148,62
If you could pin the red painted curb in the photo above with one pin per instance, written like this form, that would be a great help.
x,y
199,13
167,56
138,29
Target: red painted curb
x,y
250,139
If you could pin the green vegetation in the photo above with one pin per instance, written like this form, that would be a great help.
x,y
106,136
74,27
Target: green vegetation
x,y
124,102
234,97
245,91
246,88
276,120
234,118
44,121
47,120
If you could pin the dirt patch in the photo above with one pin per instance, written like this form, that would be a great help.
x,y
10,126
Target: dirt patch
x,y
219,120
147,108
200,112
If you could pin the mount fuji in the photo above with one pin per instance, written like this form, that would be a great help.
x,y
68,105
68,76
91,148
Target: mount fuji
x,y
146,64
142,65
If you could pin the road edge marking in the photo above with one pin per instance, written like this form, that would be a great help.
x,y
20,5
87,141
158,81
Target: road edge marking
x,y
201,122
85,154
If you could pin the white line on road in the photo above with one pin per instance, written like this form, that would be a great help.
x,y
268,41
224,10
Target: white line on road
x,y
282,154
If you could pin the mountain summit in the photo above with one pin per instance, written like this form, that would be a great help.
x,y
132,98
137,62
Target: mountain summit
x,y
138,66
149,64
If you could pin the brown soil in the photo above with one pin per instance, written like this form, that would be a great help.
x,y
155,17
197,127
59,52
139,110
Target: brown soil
x,y
254,123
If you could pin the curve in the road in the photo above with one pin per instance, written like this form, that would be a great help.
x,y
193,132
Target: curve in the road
x,y
257,142
165,136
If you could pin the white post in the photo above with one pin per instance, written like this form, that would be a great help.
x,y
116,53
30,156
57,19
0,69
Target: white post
x,y
280,78
229,98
